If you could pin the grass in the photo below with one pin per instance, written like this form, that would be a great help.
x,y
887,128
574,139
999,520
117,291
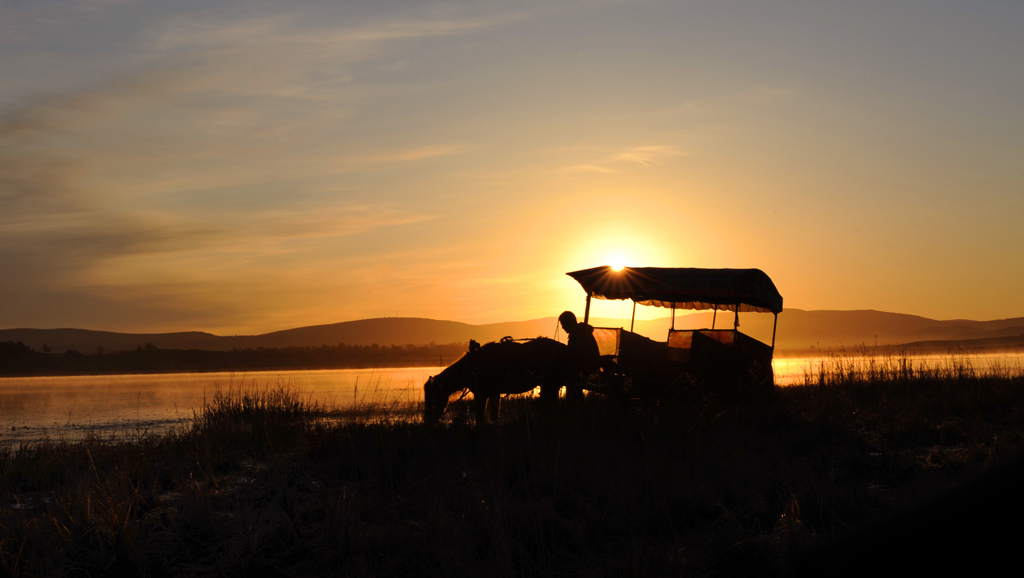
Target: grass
x,y
266,483
905,407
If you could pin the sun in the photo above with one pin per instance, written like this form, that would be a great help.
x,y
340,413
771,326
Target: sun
x,y
615,248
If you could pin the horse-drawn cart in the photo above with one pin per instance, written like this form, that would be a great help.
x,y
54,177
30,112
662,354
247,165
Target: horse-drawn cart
x,y
725,361
720,361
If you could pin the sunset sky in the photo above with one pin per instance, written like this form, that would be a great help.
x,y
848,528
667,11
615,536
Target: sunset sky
x,y
244,167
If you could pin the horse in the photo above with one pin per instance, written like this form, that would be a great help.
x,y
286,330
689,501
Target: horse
x,y
489,370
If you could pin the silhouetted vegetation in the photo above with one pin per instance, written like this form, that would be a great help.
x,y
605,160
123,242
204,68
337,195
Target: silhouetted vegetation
x,y
264,483
19,359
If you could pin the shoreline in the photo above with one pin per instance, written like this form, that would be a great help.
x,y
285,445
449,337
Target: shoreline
x,y
1011,346
208,370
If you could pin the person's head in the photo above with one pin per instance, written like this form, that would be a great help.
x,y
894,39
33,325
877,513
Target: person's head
x,y
568,320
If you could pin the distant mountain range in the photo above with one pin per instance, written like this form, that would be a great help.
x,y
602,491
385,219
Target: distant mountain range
x,y
797,330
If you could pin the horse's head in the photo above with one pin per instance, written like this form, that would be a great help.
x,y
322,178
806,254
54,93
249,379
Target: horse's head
x,y
435,399
439,388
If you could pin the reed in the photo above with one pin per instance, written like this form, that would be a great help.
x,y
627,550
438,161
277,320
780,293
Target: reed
x,y
249,406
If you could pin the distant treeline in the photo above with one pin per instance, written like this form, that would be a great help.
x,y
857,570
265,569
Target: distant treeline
x,y
20,359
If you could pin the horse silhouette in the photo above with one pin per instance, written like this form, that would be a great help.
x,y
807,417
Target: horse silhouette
x,y
489,370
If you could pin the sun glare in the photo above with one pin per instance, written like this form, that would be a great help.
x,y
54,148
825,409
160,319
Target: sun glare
x,y
617,247
616,260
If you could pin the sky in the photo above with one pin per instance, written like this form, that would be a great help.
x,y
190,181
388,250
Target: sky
x,y
244,167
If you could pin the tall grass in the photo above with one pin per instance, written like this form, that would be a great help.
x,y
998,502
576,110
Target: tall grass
x,y
91,505
247,405
869,365
264,482
377,402
947,412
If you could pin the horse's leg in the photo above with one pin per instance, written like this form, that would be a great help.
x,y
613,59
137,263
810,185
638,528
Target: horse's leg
x,y
495,401
549,392
573,394
480,405
574,390
549,395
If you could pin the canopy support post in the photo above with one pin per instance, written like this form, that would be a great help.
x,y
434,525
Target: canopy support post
x,y
714,316
673,315
633,318
736,319
586,313
775,324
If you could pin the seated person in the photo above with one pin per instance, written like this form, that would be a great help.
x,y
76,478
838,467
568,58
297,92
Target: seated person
x,y
584,355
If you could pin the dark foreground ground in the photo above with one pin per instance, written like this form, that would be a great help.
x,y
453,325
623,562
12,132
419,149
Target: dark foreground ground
x,y
265,485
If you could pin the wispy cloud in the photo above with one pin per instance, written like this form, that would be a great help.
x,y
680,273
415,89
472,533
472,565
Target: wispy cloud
x,y
88,177
587,168
645,156
222,101
407,155
209,155
314,33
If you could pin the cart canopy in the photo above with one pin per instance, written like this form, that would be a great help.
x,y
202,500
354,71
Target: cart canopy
x,y
684,287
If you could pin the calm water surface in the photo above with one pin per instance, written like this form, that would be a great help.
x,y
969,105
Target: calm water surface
x,y
33,408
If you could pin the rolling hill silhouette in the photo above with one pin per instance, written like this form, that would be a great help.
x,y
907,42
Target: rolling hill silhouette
x,y
797,330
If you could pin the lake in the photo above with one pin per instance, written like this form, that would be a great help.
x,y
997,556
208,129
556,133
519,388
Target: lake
x,y
33,408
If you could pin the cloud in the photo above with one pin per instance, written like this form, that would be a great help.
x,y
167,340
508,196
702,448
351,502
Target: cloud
x,y
645,156
170,273
585,168
407,155
219,102
332,222
209,161
312,32
206,157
